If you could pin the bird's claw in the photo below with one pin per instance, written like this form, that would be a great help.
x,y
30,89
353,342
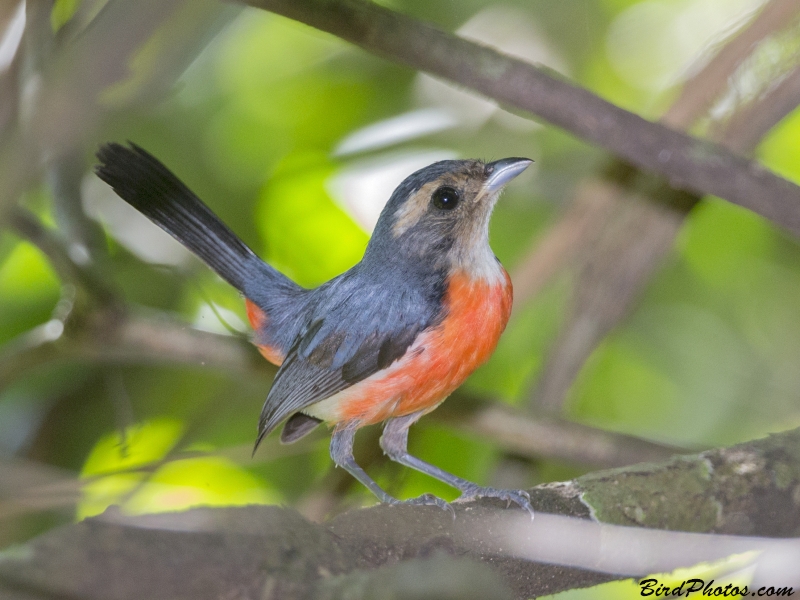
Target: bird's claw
x,y
519,497
427,500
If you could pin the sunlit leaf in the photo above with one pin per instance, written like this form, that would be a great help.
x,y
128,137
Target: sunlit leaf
x,y
26,272
114,475
141,445
114,454
210,481
29,290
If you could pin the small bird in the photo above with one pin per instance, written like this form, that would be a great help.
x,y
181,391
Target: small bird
x,y
389,339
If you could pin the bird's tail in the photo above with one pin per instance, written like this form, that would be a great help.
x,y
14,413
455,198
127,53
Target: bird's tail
x,y
147,185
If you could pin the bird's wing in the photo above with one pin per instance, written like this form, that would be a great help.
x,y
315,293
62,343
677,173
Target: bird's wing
x,y
349,338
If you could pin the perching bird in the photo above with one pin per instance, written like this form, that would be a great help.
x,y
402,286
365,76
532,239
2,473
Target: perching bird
x,y
387,340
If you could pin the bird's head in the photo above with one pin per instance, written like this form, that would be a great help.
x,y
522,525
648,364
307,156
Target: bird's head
x,y
440,214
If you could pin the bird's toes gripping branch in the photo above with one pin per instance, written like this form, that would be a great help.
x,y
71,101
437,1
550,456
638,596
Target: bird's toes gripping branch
x,y
427,500
519,497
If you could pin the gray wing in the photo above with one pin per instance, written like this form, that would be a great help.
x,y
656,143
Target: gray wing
x,y
354,332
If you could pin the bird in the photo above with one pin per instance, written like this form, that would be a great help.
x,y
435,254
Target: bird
x,y
387,340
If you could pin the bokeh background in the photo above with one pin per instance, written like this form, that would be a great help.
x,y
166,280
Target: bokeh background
x,y
296,139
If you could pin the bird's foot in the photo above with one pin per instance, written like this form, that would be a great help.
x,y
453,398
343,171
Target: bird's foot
x,y
519,497
426,500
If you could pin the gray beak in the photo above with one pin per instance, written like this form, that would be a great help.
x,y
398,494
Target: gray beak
x,y
500,172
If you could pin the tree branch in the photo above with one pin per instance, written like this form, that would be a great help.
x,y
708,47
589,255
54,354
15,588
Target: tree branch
x,y
388,551
688,163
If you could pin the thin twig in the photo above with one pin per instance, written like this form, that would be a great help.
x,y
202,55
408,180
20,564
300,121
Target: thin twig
x,y
113,337
71,268
27,486
699,93
749,124
83,236
537,438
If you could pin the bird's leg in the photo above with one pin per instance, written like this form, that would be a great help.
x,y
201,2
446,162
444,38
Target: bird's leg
x,y
342,455
394,442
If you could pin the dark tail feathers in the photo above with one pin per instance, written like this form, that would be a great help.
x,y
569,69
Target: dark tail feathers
x,y
147,185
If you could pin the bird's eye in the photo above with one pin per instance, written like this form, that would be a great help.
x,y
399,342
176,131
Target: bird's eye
x,y
445,198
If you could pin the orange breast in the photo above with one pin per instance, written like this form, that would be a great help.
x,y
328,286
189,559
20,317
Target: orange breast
x,y
258,319
438,361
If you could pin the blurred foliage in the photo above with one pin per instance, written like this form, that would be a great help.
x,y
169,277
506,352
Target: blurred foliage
x,y
709,356
312,239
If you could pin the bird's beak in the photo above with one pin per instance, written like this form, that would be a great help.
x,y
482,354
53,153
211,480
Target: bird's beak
x,y
500,172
